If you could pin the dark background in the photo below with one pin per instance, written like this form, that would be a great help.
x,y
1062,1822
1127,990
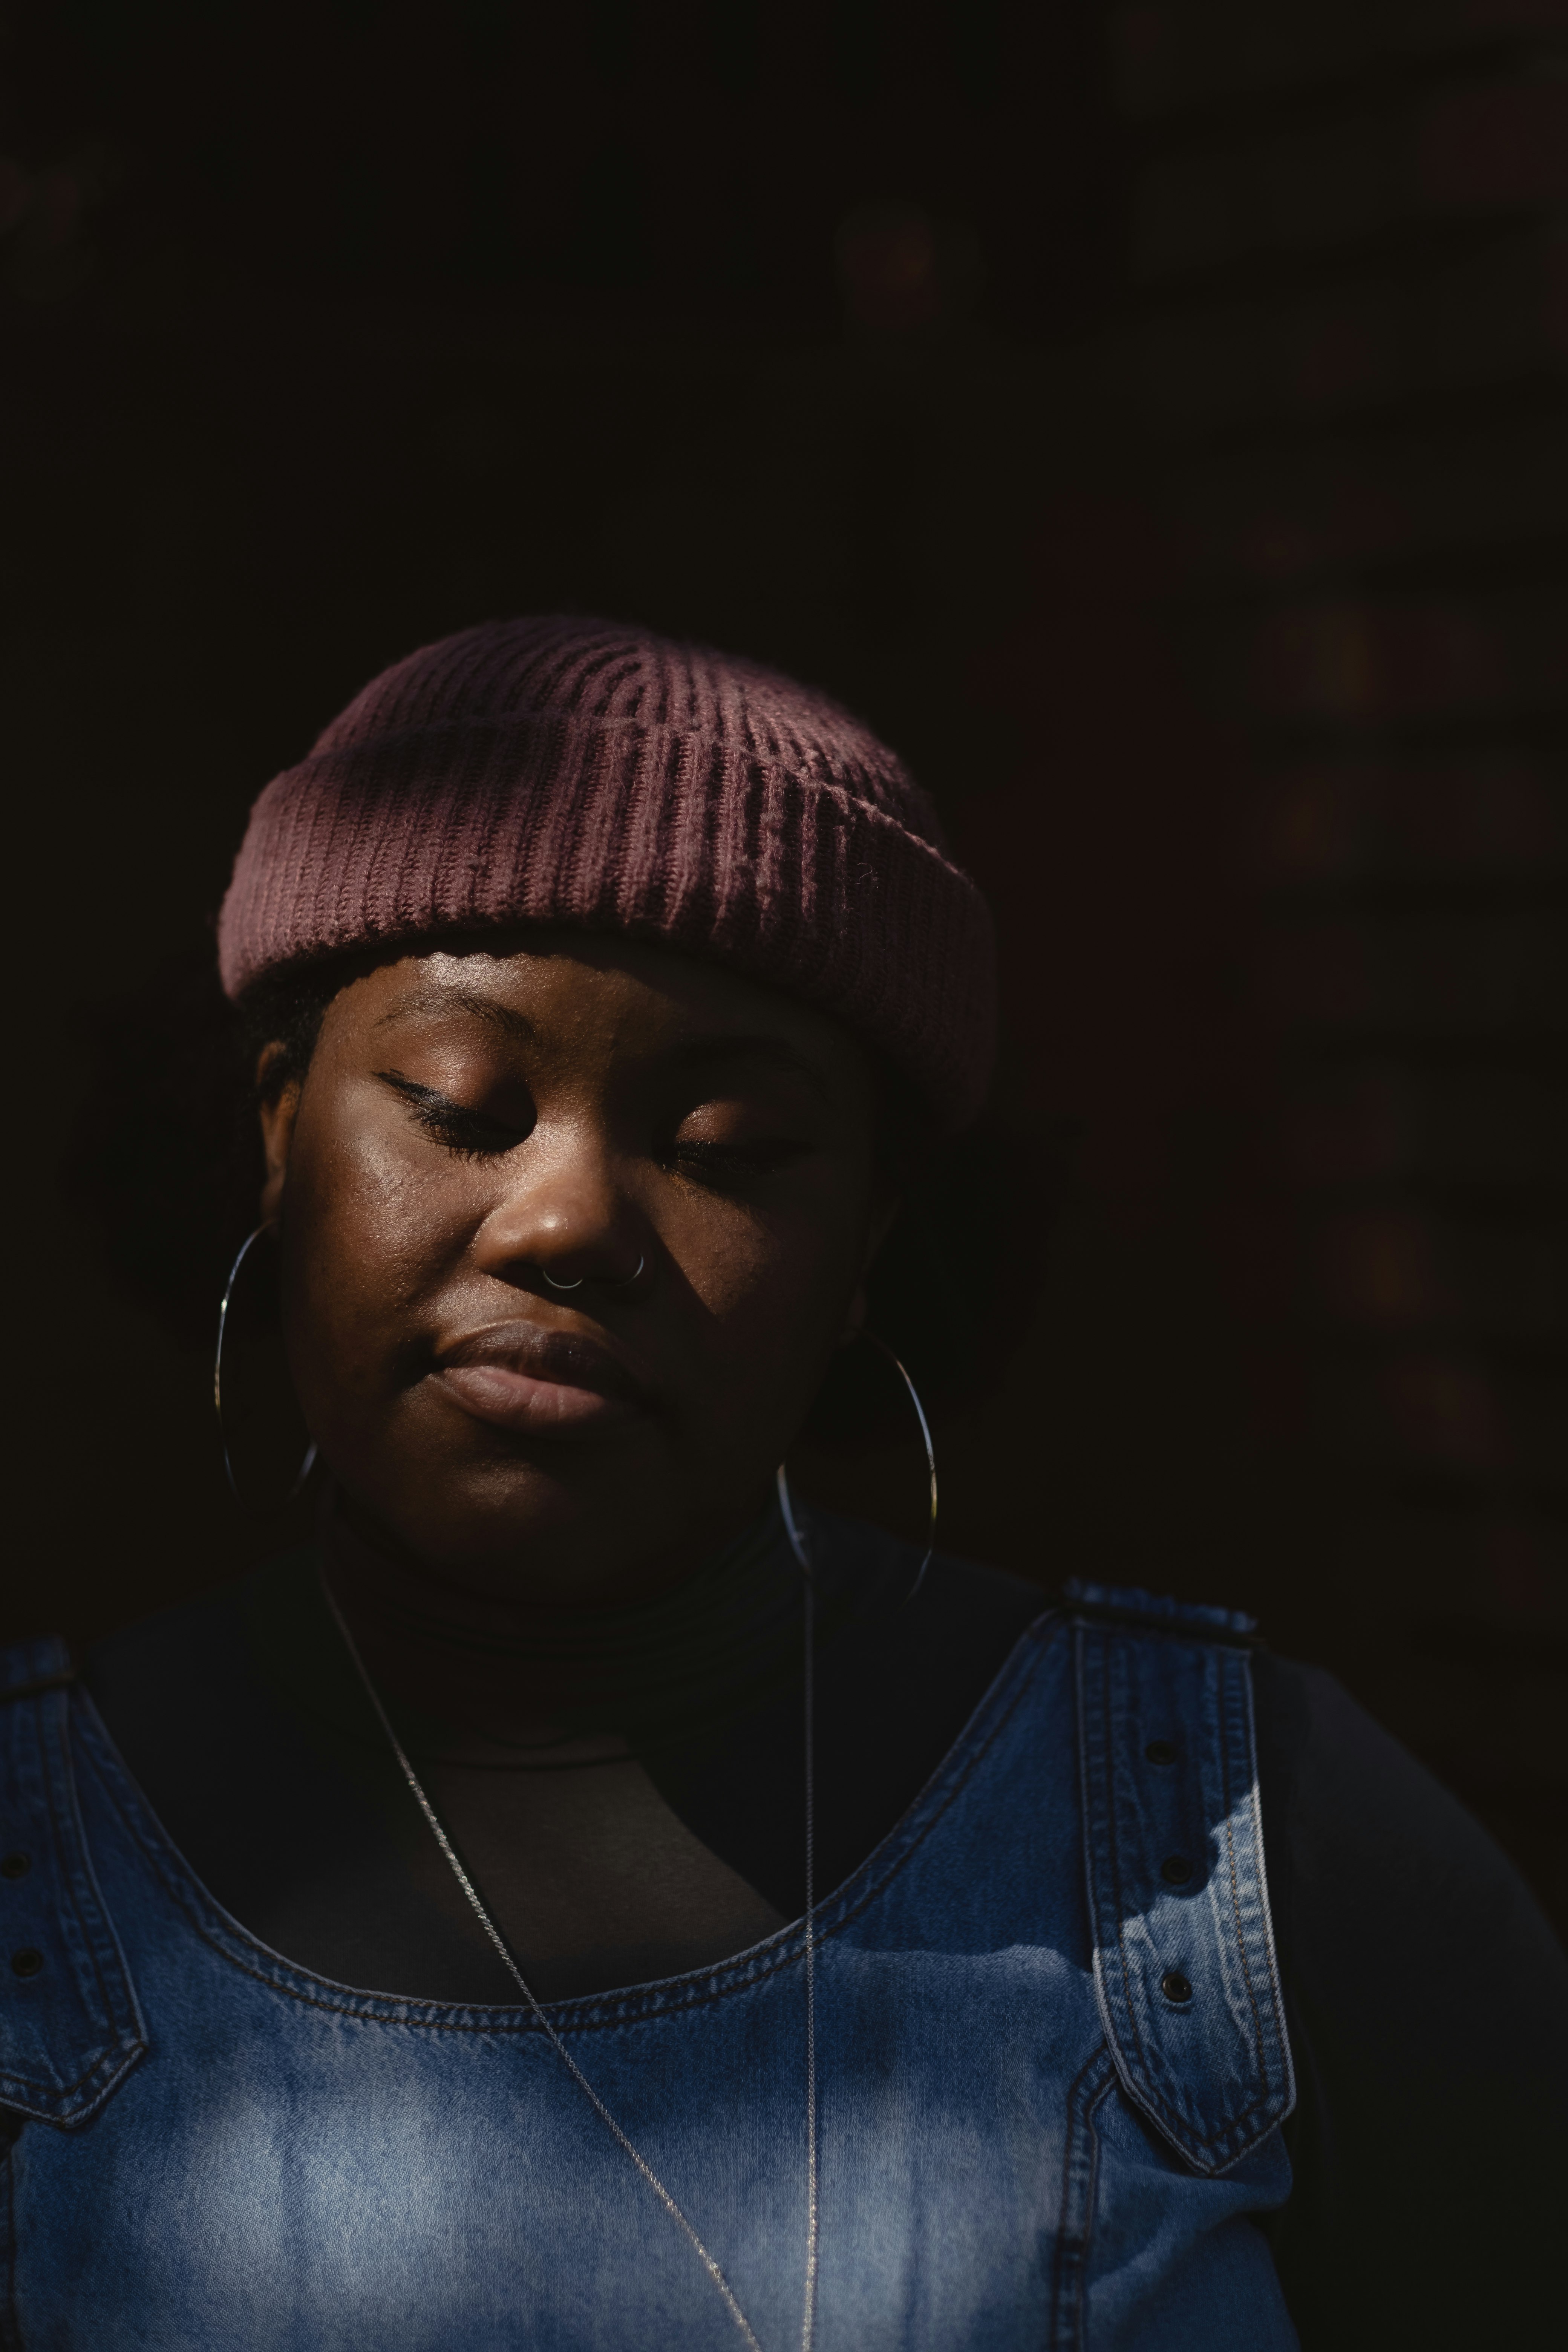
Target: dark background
x,y
1152,418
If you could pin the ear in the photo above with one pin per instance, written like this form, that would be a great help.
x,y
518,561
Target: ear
x,y
884,1216
279,1112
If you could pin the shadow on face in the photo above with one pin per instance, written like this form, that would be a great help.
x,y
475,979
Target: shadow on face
x,y
570,1231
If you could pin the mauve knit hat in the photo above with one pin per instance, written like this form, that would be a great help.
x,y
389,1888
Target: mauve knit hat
x,y
575,772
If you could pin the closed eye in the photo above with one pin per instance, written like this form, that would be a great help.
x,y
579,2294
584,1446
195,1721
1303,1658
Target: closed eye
x,y
471,1134
724,1164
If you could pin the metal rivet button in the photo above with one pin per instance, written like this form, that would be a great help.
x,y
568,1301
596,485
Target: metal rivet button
x,y
26,1962
1176,1870
1174,1986
14,1865
1160,1751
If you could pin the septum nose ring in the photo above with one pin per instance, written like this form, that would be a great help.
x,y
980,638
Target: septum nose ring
x,y
610,1281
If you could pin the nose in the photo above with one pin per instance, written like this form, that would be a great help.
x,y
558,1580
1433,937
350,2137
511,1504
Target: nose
x,y
565,1217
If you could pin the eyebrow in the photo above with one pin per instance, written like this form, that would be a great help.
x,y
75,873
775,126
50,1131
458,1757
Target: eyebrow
x,y
427,999
697,1053
758,1047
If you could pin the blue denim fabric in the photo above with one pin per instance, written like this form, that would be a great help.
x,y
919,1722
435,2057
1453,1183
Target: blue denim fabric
x,y
1026,2140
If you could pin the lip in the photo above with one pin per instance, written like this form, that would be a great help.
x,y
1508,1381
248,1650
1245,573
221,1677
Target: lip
x,y
545,1383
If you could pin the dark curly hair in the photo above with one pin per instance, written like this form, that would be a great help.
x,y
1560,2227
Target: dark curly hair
x,y
164,1166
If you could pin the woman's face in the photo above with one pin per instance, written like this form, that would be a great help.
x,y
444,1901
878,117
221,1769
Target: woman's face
x,y
568,1234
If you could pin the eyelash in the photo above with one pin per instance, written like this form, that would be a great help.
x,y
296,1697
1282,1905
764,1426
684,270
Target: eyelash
x,y
466,1133
470,1134
719,1164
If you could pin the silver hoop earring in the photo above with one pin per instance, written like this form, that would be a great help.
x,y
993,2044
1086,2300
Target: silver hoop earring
x,y
786,1505
309,1463
609,1281
931,1456
796,1541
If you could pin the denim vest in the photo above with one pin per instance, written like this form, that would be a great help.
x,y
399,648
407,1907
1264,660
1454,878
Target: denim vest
x,y
1052,2066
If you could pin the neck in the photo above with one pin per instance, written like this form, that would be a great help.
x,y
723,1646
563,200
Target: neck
x,y
493,1681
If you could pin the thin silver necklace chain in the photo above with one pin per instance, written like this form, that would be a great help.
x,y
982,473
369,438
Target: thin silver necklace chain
x,y
503,1952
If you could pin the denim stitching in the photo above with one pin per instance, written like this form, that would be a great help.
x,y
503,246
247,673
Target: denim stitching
x,y
1270,1957
1106,1840
66,2101
10,2318
1232,2130
1108,1704
1260,2051
1071,2258
70,1846
985,1724
1235,2126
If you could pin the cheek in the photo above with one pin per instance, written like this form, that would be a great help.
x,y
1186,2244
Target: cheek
x,y
770,1291
364,1235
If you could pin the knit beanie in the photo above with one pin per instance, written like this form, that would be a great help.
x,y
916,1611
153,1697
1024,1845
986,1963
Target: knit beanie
x,y
580,772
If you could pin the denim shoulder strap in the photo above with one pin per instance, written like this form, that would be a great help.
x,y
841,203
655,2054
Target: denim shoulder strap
x,y
69,2025
1184,1963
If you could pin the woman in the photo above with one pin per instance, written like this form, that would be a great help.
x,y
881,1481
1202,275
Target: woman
x,y
587,1900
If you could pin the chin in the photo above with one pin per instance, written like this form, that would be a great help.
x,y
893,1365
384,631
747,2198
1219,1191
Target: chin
x,y
505,1519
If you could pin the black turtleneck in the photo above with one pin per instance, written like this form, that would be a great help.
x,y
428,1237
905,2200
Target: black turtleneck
x,y
243,1720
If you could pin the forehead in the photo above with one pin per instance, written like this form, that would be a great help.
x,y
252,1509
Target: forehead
x,y
590,997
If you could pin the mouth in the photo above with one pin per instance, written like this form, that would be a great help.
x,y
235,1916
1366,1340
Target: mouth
x,y
544,1383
